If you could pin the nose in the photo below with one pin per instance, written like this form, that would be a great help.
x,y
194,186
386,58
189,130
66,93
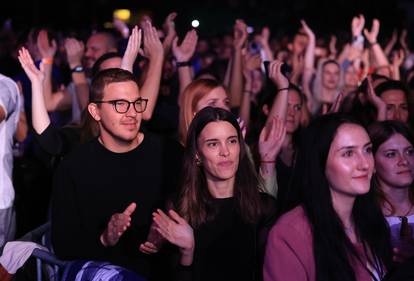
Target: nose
x,y
224,150
365,162
131,111
290,110
402,160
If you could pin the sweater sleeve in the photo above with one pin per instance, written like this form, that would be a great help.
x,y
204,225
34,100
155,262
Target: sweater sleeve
x,y
71,238
288,257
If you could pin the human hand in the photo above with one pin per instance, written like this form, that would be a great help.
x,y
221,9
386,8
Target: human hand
x,y
403,39
376,101
398,58
332,45
185,51
152,44
271,139
46,48
335,106
263,38
74,51
175,229
239,34
132,50
373,33
405,249
35,75
154,241
307,29
275,74
117,225
357,25
169,25
121,26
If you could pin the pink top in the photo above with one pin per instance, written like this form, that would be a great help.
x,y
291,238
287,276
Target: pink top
x,y
289,251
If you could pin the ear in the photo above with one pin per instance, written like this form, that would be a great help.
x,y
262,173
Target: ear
x,y
265,109
94,111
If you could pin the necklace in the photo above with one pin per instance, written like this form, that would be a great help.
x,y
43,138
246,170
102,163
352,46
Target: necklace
x,y
409,211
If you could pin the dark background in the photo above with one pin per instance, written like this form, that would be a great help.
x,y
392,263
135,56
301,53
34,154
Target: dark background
x,y
215,16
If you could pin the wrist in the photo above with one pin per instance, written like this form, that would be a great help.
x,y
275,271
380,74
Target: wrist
x,y
47,60
183,63
280,89
77,69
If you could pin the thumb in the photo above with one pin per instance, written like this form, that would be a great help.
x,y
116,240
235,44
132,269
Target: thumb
x,y
130,209
176,217
175,42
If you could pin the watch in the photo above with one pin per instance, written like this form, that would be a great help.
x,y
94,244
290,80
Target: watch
x,y
77,69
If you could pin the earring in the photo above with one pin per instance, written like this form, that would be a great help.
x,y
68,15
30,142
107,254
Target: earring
x,y
198,161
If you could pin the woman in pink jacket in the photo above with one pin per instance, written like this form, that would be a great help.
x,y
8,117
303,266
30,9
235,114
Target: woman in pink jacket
x,y
337,232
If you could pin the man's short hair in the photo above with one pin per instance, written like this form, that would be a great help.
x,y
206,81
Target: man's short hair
x,y
108,76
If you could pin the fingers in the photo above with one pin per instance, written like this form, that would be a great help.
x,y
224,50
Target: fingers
x,y
176,217
148,248
130,209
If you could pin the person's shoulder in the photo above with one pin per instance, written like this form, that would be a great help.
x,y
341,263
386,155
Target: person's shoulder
x,y
295,219
8,83
81,152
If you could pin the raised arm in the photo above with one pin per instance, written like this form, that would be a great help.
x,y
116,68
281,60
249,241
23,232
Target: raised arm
x,y
280,103
154,51
396,62
380,58
183,54
263,40
169,30
54,101
40,118
236,78
309,64
131,52
74,52
391,43
250,63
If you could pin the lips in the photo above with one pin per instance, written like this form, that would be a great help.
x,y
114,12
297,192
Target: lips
x,y
404,172
225,164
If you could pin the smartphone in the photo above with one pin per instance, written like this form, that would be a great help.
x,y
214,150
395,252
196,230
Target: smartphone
x,y
286,69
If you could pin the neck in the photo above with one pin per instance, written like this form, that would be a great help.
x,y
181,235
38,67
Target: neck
x,y
221,188
328,95
343,205
398,197
119,146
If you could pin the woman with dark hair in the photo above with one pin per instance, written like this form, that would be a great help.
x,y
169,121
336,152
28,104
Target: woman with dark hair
x,y
393,149
222,215
338,232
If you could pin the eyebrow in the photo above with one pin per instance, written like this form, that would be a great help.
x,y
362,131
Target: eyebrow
x,y
353,146
207,140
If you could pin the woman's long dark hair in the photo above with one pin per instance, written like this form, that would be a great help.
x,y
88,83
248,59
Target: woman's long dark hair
x,y
379,133
195,200
332,248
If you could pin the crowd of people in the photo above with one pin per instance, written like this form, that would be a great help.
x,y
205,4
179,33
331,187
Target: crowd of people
x,y
236,157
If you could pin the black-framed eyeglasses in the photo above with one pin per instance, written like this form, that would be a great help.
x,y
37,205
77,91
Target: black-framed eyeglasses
x,y
122,106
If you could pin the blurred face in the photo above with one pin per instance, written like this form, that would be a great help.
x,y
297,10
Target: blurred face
x,y
96,46
351,77
111,63
118,128
215,98
350,162
299,43
219,150
257,83
330,76
294,112
394,162
397,107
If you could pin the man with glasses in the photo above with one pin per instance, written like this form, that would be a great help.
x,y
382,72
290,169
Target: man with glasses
x,y
106,190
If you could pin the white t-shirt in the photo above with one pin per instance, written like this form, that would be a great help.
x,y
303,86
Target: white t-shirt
x,y
395,226
10,102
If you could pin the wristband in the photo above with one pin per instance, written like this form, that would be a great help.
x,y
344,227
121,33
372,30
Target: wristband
x,y
47,60
279,90
372,44
183,63
263,161
77,69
